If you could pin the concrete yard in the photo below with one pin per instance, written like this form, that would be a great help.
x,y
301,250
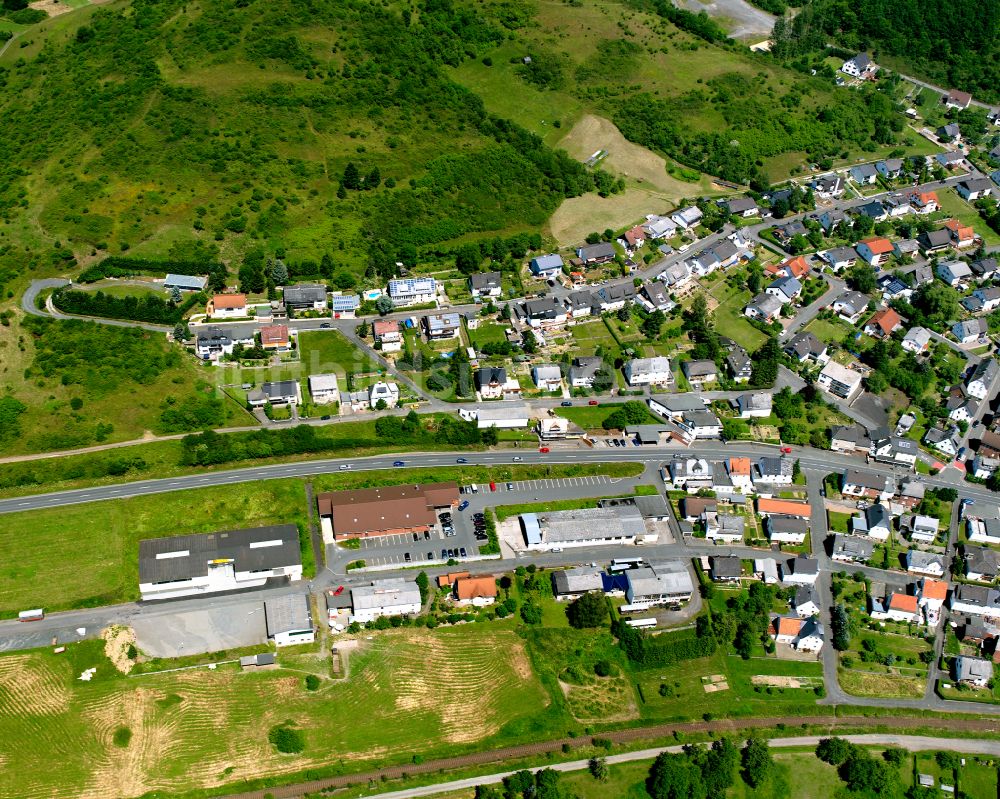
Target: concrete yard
x,y
192,632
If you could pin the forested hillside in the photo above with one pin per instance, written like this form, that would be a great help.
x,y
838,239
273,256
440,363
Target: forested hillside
x,y
955,43
338,130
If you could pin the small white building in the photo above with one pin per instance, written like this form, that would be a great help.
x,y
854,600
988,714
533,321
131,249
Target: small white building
x,y
394,596
289,620
840,381
386,392
324,389
547,377
649,371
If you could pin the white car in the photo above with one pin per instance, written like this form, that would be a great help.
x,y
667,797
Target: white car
x,y
345,466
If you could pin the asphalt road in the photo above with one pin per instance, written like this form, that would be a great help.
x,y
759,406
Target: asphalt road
x,y
911,743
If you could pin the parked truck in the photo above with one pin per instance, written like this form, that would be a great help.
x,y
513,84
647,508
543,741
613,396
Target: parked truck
x,y
31,615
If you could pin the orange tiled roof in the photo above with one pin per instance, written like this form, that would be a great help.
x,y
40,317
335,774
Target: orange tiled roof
x,y
273,334
878,246
475,587
789,507
904,602
786,625
739,466
934,589
887,319
229,301
797,266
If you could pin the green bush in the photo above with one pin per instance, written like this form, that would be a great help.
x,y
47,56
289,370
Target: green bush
x,y
312,682
286,739
122,737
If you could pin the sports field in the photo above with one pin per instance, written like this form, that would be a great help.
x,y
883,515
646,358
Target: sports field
x,y
407,691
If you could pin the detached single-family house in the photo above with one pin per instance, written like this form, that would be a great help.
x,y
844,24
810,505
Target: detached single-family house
x,y
801,570
858,67
283,392
803,635
745,207
957,99
883,324
614,297
700,424
649,371
923,202
660,227
690,474
840,258
952,159
227,306
755,404
805,346
547,377
307,297
440,327
764,307
863,174
873,209
828,187
973,189
786,530
981,378
212,343
275,337
687,218
890,168
923,529
583,370
873,522
935,241
700,373
632,239
776,471
970,331
962,236
985,268
932,594
656,297
840,381
324,389
917,340
725,569
850,305
943,440
546,266
849,438
726,527
386,333
491,382
739,365
875,251
851,549
786,289
384,392
545,313
949,132
977,672
954,273
981,564
857,483
344,306
925,564
485,284
594,254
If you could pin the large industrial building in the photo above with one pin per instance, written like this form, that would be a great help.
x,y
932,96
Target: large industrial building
x,y
388,510
192,565
622,524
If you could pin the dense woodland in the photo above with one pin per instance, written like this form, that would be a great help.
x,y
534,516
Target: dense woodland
x,y
954,44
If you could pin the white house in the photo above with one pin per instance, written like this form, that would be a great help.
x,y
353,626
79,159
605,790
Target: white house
x,y
324,389
546,266
726,527
916,340
485,285
413,291
924,563
687,218
805,603
754,404
977,672
764,307
227,306
386,392
786,529
649,371
394,596
840,381
954,273
859,66
983,531
924,529
801,571
547,377
981,379
874,522
970,331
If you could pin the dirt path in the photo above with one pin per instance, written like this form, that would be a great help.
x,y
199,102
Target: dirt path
x,y
621,736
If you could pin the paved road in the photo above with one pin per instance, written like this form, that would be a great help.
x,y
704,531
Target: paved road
x,y
834,289
36,287
912,743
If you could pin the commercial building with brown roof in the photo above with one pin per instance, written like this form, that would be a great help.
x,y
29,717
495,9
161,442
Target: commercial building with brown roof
x,y
388,510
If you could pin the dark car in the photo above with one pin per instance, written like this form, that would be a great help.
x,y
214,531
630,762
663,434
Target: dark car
x,y
463,504
430,556
444,554
566,404
399,463
462,552
325,325
406,556
462,460
325,418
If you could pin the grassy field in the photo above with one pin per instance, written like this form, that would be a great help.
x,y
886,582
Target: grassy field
x,y
408,691
729,319
952,205
103,537
831,331
324,351
591,417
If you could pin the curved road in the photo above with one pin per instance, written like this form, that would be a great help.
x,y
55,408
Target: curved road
x,y
29,305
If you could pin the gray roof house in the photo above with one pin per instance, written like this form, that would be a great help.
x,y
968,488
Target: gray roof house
x,y
851,548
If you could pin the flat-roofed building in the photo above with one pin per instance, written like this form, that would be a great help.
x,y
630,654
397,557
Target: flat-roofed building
x,y
289,620
192,565
388,510
324,389
621,524
664,583
573,583
394,596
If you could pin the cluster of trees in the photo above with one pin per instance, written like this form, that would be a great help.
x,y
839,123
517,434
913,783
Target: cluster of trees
x,y
923,33
866,775
589,610
201,411
542,784
746,620
144,308
765,364
11,409
631,413
700,772
911,376
840,628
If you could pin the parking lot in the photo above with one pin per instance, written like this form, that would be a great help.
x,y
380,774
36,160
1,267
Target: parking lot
x,y
437,547
228,626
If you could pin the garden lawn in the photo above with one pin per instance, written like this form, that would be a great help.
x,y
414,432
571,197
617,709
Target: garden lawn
x,y
838,522
487,332
87,555
830,331
954,206
323,351
729,319
591,417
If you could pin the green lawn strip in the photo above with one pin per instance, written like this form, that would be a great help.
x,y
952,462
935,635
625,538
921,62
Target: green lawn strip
x,y
324,351
954,206
838,522
591,417
103,537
